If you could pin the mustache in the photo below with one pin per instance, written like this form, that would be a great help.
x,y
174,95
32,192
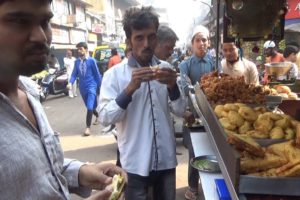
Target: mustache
x,y
37,48
147,50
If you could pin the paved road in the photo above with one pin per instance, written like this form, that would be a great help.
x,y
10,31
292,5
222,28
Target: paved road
x,y
67,116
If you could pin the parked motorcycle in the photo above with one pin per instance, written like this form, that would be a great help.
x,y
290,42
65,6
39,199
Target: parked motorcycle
x,y
55,83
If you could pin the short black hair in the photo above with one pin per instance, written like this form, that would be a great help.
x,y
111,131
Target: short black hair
x,y
289,50
138,19
165,33
114,52
82,44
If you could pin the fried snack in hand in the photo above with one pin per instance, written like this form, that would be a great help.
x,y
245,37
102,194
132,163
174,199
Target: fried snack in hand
x,y
246,143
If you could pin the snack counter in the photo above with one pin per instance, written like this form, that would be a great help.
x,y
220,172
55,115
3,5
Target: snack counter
x,y
214,142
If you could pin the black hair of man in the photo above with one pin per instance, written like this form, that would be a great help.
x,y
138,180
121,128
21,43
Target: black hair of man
x,y
82,44
289,50
164,34
138,19
114,52
39,1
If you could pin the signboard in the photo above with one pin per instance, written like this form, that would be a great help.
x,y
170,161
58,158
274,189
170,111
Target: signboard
x,y
77,36
60,36
293,9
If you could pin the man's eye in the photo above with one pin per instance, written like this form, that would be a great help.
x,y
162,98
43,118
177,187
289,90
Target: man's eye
x,y
20,21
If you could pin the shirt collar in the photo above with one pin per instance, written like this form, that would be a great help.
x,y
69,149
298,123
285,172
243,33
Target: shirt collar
x,y
134,63
204,59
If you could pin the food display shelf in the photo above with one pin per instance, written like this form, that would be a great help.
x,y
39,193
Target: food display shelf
x,y
229,160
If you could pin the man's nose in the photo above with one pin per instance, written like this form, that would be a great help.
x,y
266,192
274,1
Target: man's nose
x,y
38,34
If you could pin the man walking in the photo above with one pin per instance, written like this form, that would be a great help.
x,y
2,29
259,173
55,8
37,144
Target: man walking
x,y
89,83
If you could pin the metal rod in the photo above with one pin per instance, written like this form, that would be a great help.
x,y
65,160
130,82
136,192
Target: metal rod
x,y
218,35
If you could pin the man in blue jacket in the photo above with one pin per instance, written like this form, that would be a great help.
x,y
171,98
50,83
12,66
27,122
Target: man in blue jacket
x,y
89,83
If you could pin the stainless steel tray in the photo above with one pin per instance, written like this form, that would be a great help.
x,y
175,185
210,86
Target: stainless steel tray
x,y
229,160
206,163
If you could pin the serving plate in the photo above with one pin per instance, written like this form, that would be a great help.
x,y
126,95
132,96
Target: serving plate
x,y
206,163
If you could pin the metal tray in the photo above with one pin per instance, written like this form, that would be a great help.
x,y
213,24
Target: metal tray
x,y
229,160
207,163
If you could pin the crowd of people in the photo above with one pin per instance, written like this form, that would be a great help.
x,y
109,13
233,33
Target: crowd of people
x,y
136,94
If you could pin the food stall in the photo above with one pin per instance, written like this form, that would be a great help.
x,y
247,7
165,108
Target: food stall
x,y
242,151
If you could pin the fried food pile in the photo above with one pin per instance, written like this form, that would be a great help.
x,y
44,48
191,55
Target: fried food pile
x,y
285,92
220,89
277,160
258,122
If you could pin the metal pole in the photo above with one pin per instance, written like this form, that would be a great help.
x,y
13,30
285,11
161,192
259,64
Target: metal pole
x,y
218,35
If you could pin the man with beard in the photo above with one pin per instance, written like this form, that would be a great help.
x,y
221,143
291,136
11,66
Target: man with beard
x,y
191,70
31,159
235,66
89,83
138,98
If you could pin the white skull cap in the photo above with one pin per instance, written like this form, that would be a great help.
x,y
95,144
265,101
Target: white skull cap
x,y
200,29
269,44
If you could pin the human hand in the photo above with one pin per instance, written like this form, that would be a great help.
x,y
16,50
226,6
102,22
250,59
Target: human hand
x,y
99,176
142,74
166,76
100,195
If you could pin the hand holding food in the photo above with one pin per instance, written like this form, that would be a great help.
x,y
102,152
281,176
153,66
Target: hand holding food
x,y
118,183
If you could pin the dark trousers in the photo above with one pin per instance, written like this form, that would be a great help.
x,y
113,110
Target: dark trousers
x,y
193,174
163,184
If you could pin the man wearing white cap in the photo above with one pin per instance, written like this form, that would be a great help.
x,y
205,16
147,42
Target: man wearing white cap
x,y
272,56
194,68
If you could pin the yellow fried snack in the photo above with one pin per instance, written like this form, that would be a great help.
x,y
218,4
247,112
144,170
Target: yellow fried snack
x,y
218,110
248,113
260,110
226,124
229,132
255,164
246,143
118,183
263,125
245,127
235,118
297,138
289,133
230,106
283,123
273,116
258,134
240,104
277,133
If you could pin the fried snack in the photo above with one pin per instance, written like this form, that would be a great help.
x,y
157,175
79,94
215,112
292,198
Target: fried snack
x,y
291,172
240,104
282,89
293,96
230,106
277,133
260,110
257,134
263,124
218,110
226,124
287,166
297,138
267,173
248,113
273,116
245,128
235,118
246,143
255,164
230,132
289,134
283,123
118,183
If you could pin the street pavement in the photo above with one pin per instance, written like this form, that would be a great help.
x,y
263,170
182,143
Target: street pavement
x,y
67,116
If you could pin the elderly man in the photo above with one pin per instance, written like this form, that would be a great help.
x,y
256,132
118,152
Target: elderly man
x,y
31,159
235,66
166,40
